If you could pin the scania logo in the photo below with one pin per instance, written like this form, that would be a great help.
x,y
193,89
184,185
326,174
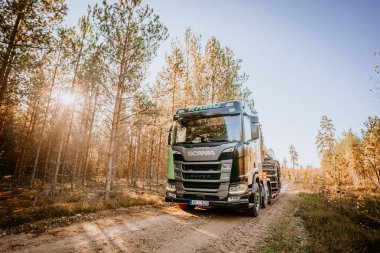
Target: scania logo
x,y
200,153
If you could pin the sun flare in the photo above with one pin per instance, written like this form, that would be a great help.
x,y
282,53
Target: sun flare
x,y
67,99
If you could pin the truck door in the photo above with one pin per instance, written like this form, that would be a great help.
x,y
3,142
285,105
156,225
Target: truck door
x,y
249,147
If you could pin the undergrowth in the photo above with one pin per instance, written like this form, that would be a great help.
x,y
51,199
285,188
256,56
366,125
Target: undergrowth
x,y
336,227
26,206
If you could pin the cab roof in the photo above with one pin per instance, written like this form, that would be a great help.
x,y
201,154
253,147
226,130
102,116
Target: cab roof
x,y
232,107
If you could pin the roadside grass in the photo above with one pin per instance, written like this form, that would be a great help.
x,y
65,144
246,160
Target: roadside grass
x,y
331,228
284,238
27,206
317,225
287,234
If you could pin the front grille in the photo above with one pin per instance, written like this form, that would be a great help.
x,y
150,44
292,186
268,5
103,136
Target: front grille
x,y
199,185
203,197
201,167
202,176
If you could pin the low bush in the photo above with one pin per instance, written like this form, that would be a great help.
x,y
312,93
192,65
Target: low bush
x,y
335,226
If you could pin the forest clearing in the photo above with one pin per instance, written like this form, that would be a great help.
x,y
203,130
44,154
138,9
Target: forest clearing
x,y
107,119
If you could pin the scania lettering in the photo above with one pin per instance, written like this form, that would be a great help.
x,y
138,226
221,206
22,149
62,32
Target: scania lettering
x,y
216,155
200,153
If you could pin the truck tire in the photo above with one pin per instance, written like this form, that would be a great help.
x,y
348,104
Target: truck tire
x,y
254,199
265,198
186,206
270,195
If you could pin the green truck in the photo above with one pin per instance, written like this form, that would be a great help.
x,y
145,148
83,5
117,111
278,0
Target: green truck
x,y
216,158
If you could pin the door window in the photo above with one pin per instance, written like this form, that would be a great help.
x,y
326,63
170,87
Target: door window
x,y
247,129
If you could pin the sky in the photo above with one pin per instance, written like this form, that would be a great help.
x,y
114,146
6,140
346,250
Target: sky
x,y
305,59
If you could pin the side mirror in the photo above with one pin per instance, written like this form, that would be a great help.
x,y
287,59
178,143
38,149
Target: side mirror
x,y
255,131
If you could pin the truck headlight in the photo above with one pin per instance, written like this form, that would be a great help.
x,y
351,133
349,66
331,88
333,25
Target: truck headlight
x,y
172,195
237,189
170,187
228,150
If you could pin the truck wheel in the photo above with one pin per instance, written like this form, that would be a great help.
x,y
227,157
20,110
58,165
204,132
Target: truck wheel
x,y
264,200
186,207
255,201
270,194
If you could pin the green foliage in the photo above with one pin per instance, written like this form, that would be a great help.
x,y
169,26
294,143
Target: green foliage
x,y
325,139
350,162
371,150
26,29
194,75
130,35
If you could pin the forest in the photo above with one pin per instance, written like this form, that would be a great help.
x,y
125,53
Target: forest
x,y
75,105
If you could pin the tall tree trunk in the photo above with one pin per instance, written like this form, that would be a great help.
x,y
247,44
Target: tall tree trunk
x,y
79,147
158,159
24,135
173,92
47,160
27,150
112,140
151,162
66,145
26,144
43,128
135,169
131,158
52,139
92,120
61,143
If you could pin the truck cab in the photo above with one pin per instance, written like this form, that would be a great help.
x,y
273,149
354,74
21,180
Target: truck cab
x,y
216,158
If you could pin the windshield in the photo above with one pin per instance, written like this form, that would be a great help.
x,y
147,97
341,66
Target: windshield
x,y
215,129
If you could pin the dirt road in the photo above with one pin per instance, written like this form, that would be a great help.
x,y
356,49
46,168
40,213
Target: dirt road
x,y
159,229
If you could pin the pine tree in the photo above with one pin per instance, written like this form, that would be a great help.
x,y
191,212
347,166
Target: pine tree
x,y
131,34
325,140
371,151
293,157
196,76
26,26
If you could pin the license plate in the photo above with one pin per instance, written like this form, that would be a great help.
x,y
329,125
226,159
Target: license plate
x,y
198,203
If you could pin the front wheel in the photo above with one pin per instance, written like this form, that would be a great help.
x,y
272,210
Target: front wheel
x,y
254,202
265,198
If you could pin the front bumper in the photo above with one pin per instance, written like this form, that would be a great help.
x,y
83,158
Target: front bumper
x,y
239,204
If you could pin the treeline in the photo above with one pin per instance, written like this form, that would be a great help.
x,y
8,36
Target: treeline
x,y
75,105
350,163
